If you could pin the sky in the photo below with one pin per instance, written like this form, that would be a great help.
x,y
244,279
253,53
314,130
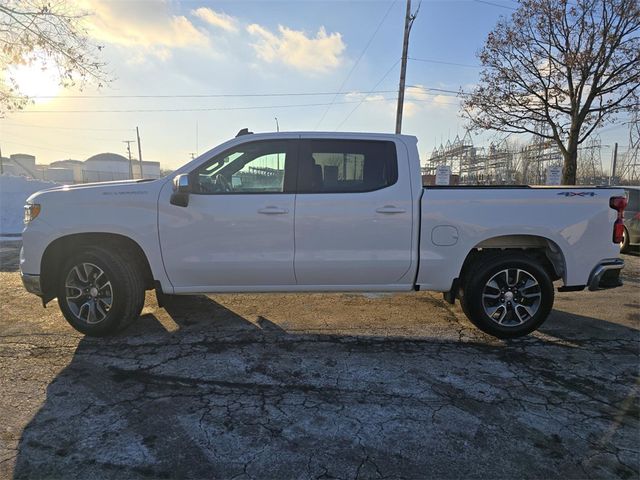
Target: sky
x,y
190,74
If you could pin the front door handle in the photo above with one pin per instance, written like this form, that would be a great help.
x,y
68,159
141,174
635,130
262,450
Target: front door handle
x,y
271,210
390,209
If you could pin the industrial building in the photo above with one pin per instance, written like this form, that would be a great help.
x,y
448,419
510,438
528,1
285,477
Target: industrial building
x,y
102,167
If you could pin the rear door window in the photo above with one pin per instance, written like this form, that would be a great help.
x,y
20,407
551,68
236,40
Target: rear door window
x,y
346,166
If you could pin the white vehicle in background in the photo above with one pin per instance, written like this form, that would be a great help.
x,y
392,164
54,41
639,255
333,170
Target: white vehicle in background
x,y
317,212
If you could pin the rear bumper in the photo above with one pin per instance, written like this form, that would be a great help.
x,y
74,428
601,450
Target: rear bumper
x,y
31,283
606,274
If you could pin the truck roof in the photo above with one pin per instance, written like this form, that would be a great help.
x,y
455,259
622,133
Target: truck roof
x,y
289,134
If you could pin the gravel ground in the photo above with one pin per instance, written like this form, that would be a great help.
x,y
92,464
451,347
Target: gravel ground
x,y
283,386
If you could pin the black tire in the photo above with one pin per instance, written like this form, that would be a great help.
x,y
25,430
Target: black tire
x,y
125,291
624,245
517,303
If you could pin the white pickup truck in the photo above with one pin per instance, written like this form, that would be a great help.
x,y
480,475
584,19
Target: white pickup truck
x,y
312,212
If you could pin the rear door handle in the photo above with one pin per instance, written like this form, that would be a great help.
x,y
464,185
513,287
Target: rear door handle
x,y
273,211
390,209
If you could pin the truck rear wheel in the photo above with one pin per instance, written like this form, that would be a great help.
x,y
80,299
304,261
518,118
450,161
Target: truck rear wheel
x,y
100,291
507,295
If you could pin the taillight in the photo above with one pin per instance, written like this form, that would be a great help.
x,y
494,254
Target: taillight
x,y
618,231
618,204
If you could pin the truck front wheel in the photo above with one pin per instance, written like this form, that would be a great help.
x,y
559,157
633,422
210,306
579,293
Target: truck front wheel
x,y
100,291
507,295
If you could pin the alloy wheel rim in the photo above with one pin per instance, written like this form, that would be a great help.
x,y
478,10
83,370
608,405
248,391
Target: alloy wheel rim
x,y
88,293
511,297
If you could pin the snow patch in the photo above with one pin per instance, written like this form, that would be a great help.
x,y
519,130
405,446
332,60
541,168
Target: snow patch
x,y
14,192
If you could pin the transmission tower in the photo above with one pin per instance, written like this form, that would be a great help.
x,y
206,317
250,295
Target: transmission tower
x,y
590,163
628,169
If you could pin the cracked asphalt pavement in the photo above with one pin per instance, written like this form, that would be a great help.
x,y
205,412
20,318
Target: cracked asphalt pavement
x,y
320,386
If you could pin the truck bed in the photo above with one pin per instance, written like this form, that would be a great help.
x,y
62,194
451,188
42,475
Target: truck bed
x,y
458,219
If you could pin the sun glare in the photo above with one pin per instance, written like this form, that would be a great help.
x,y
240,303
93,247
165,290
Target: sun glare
x,y
40,80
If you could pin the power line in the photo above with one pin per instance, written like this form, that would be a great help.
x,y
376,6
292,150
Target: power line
x,y
366,47
197,95
495,4
429,100
102,139
45,145
440,91
228,95
369,93
41,146
47,127
212,109
423,89
428,60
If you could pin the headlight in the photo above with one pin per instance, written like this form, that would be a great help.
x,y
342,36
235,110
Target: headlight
x,y
31,211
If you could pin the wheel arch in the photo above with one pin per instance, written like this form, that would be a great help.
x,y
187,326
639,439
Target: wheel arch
x,y
59,250
543,248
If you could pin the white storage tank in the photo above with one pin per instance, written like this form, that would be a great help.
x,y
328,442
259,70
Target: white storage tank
x,y
23,164
77,166
105,167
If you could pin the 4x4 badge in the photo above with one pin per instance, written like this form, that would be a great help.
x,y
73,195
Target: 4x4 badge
x,y
578,194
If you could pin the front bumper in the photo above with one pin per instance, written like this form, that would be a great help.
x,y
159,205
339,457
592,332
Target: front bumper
x,y
31,283
606,274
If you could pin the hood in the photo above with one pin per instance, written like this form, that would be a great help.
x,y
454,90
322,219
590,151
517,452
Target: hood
x,y
120,187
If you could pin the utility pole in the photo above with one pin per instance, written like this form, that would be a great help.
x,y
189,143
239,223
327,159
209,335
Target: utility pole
x,y
613,164
408,23
129,142
139,151
278,155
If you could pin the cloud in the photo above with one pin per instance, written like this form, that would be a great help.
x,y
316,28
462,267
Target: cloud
x,y
421,94
294,48
220,20
409,109
353,96
417,92
146,24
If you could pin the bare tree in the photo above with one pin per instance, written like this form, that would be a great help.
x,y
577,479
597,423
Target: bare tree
x,y
558,70
46,32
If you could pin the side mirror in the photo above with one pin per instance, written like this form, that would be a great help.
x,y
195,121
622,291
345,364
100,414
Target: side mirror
x,y
181,183
181,189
